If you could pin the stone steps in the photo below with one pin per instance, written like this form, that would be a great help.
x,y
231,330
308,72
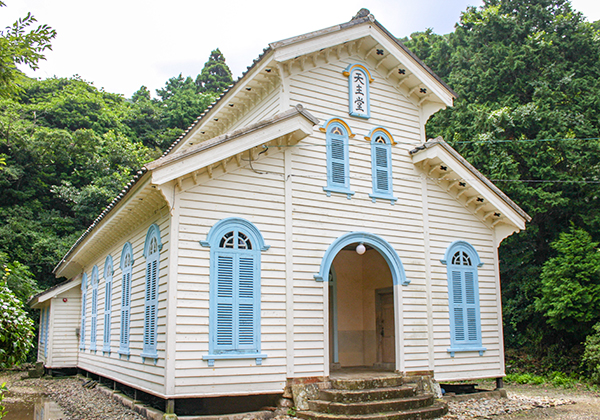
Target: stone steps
x,y
380,398
436,410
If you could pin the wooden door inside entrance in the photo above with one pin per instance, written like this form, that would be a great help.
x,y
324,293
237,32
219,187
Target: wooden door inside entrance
x,y
386,328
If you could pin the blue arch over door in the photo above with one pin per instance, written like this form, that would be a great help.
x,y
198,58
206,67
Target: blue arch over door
x,y
381,245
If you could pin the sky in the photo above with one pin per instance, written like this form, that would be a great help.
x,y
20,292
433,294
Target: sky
x,y
120,45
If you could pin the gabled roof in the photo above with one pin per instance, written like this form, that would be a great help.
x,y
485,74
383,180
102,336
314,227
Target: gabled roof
x,y
37,300
362,35
459,178
144,194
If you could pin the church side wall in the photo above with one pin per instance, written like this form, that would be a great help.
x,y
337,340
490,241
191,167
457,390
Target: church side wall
x,y
450,221
258,198
144,374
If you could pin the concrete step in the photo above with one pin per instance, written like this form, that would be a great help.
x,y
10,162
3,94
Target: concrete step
x,y
371,407
367,383
363,395
438,409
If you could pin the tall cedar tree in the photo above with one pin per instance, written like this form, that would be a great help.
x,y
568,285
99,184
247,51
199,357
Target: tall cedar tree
x,y
525,69
215,76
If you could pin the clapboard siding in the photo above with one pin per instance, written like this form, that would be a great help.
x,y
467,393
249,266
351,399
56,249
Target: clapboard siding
x,y
133,371
319,220
267,107
64,342
450,221
259,198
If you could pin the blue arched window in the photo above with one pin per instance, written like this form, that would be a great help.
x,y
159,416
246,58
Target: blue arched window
x,y
462,260
381,165
126,268
94,326
108,278
338,167
83,311
235,250
152,249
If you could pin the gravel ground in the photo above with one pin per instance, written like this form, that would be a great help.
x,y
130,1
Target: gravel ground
x,y
524,402
77,402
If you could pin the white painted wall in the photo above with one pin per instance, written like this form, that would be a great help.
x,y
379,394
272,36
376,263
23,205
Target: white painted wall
x,y
133,371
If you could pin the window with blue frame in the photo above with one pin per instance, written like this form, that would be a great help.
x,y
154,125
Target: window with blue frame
x,y
126,269
338,167
94,318
462,261
381,165
235,255
152,249
83,311
108,278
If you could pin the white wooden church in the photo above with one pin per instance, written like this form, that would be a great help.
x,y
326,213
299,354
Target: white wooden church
x,y
302,224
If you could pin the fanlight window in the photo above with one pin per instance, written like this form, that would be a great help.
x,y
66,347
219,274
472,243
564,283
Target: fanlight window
x,y
229,240
461,258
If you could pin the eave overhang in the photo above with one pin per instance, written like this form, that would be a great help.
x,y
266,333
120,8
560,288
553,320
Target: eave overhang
x,y
390,54
363,36
36,301
138,201
292,125
440,162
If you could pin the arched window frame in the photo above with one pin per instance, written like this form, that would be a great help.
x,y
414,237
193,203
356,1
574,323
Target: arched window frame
x,y
83,311
234,309
359,94
94,317
152,248
108,280
338,157
126,270
463,299
381,165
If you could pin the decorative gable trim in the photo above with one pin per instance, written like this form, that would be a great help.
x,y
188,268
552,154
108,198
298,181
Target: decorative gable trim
x,y
478,194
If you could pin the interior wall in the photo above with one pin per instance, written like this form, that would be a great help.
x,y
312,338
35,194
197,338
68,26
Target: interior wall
x,y
358,276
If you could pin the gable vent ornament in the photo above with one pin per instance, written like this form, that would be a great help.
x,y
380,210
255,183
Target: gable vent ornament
x,y
359,80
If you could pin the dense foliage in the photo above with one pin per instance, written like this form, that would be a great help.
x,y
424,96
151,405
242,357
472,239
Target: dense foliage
x,y
527,75
16,328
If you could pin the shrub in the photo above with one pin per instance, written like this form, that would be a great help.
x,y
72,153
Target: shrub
x,y
591,355
16,328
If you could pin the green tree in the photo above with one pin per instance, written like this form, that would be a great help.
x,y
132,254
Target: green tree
x,y
181,102
525,69
21,45
215,76
570,293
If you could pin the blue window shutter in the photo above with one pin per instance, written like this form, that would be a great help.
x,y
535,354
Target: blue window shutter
x,y
125,308
463,296
225,301
46,331
94,319
126,269
247,316
150,310
235,291
338,167
381,166
152,253
83,321
338,161
382,183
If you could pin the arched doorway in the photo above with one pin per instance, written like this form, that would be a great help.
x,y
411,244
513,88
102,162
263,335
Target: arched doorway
x,y
363,301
